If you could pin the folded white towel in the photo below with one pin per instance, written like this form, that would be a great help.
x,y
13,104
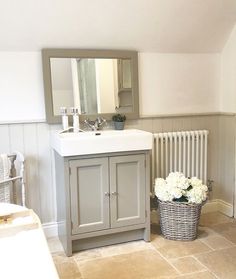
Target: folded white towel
x,y
5,166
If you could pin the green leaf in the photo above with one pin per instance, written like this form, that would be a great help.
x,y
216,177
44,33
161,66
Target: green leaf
x,y
181,199
119,117
190,187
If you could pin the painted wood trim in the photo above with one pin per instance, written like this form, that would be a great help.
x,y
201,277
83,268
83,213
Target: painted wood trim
x,y
136,118
87,53
217,113
51,229
28,121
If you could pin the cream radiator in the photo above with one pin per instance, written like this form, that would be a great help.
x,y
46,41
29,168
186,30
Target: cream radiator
x,y
180,151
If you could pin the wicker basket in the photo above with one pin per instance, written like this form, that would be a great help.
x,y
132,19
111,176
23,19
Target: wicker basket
x,y
178,220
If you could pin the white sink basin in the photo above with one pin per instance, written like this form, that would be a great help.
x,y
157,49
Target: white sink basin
x,y
71,144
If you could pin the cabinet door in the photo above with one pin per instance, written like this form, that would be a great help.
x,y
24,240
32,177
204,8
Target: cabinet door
x,y
127,184
89,195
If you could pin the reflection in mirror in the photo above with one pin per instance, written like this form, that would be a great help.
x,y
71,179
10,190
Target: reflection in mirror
x,y
94,85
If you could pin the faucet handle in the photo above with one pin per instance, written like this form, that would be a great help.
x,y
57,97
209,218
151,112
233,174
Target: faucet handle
x,y
95,124
100,120
89,122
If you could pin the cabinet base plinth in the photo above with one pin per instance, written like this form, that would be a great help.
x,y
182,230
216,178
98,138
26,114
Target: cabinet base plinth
x,y
104,240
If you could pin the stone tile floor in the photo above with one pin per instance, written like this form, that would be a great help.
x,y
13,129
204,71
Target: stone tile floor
x,y
212,255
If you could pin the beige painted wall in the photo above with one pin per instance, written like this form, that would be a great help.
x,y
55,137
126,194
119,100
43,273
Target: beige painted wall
x,y
21,87
178,83
227,126
169,83
226,150
228,74
33,140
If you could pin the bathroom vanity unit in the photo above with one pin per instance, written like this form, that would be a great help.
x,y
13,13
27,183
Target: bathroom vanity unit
x,y
103,186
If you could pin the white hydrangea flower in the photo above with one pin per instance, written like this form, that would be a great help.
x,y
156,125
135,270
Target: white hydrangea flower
x,y
163,193
196,195
177,179
204,187
194,181
175,186
161,190
175,192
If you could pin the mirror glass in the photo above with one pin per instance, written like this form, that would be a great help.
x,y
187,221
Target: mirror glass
x,y
97,82
93,85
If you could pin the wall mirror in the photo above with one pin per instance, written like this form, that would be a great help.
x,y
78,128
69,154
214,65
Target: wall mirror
x,y
97,82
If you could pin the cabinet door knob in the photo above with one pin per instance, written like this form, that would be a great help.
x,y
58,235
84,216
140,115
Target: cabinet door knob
x,y
114,193
107,194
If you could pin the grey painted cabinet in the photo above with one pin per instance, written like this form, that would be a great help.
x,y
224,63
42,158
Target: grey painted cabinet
x,y
89,187
127,180
99,200
102,199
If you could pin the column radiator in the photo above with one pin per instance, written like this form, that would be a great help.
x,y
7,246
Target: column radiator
x,y
180,151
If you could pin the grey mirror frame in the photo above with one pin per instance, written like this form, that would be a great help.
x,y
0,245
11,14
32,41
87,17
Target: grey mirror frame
x,y
78,53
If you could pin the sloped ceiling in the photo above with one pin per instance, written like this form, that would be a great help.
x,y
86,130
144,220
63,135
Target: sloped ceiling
x,y
144,25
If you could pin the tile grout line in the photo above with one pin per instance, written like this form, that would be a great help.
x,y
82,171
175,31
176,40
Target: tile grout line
x,y
182,257
158,252
194,272
101,256
212,249
189,273
75,262
206,267
219,235
193,256
169,261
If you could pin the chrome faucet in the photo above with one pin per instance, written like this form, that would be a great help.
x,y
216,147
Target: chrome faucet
x,y
95,124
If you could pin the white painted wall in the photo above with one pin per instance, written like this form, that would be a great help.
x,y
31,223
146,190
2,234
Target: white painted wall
x,y
228,75
21,87
148,25
227,124
178,83
169,83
